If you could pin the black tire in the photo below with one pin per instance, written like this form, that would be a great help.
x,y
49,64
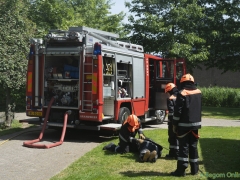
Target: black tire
x,y
123,114
162,118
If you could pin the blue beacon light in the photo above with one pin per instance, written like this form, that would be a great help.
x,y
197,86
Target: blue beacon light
x,y
97,49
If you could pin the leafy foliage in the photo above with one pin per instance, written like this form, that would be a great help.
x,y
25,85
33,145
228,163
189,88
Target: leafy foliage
x,y
95,14
222,32
18,96
51,14
60,14
15,30
197,30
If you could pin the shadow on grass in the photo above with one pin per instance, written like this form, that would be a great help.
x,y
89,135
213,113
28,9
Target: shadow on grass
x,y
221,156
221,112
143,173
131,155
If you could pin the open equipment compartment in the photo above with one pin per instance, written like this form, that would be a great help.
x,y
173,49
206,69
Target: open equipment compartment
x,y
61,79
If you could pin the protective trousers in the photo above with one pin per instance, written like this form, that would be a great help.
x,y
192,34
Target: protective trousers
x,y
148,146
173,141
188,152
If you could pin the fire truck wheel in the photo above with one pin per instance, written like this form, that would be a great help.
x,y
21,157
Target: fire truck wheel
x,y
123,114
161,117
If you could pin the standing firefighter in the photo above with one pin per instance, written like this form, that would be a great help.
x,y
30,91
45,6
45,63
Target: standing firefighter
x,y
172,137
186,122
127,142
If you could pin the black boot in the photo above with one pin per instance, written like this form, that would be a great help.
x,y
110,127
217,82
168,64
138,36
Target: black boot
x,y
177,173
173,154
110,147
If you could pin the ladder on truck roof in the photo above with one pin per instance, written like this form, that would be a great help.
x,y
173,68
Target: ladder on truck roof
x,y
107,35
108,38
77,33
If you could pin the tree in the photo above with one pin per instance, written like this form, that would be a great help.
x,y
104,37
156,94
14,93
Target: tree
x,y
61,14
15,30
197,30
96,14
50,14
222,33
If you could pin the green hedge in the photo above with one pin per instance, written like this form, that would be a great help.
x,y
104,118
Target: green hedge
x,y
220,97
212,96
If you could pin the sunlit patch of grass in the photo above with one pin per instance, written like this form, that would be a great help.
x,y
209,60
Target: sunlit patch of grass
x,y
15,127
221,113
218,150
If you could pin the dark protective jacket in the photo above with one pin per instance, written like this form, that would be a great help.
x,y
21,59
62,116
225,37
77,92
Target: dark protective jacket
x,y
187,112
171,101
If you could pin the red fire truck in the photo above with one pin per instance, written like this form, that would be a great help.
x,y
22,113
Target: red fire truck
x,y
97,80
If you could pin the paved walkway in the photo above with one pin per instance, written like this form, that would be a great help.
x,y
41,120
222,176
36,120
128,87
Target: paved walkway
x,y
205,122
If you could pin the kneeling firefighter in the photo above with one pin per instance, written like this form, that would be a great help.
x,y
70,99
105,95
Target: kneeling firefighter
x,y
127,142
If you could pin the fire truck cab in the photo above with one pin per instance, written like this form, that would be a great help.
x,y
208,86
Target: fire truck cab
x,y
96,78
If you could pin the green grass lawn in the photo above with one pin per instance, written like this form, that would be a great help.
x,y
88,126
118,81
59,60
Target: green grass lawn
x,y
219,149
221,113
16,127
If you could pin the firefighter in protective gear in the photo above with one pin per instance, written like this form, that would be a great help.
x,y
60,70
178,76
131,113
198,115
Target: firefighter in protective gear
x,y
127,141
172,137
187,122
149,151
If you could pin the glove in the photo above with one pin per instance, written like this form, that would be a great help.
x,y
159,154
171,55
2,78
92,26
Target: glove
x,y
141,136
140,141
174,129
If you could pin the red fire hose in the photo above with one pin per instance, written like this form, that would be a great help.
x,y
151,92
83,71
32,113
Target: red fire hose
x,y
47,146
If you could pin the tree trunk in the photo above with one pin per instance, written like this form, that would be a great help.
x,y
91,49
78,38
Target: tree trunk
x,y
8,111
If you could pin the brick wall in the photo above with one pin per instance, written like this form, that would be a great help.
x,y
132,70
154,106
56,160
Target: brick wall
x,y
213,77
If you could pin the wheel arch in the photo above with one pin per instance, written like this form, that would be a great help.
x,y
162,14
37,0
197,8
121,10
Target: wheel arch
x,y
124,107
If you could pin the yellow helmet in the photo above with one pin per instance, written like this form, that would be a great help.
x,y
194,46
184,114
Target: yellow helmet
x,y
187,77
169,87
